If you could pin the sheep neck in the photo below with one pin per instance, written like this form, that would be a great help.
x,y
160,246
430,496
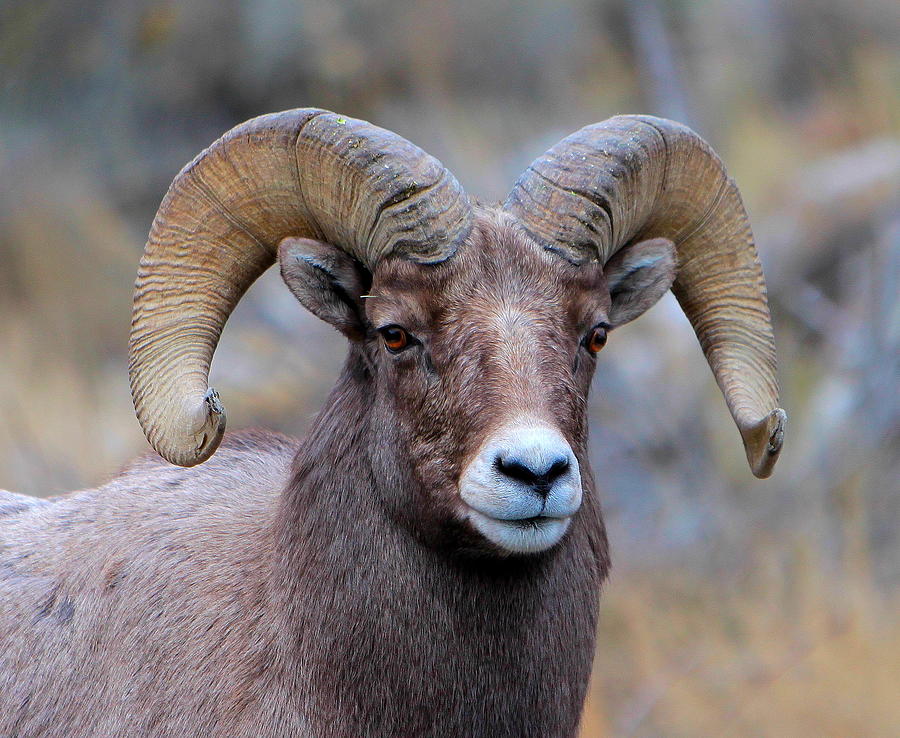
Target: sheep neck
x,y
387,636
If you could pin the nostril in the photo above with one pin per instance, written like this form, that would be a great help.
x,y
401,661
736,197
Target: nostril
x,y
516,469
541,478
557,469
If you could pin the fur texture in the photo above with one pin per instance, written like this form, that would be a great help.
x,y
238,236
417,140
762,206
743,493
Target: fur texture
x,y
333,587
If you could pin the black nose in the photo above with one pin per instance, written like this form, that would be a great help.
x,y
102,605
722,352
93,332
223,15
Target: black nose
x,y
539,477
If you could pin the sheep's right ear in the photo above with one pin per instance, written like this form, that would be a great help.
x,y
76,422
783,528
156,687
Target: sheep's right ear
x,y
327,281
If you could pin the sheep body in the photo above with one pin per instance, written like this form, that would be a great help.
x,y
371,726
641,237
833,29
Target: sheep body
x,y
130,609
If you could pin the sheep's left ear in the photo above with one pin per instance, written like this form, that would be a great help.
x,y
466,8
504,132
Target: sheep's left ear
x,y
637,276
327,281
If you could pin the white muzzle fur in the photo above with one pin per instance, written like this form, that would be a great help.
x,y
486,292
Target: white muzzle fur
x,y
522,488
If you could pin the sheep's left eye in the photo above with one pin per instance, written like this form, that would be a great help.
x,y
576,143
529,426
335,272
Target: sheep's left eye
x,y
395,338
595,339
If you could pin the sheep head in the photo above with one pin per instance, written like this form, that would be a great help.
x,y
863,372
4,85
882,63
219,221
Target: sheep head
x,y
478,326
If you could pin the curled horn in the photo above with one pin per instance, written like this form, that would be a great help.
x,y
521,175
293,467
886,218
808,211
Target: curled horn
x,y
636,177
307,173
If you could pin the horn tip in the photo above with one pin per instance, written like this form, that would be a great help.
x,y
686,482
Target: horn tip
x,y
763,441
199,445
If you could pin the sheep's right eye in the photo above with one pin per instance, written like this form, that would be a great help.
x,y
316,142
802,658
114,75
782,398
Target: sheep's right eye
x,y
395,338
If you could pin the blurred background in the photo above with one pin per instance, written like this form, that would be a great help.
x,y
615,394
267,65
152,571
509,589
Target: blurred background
x,y
736,606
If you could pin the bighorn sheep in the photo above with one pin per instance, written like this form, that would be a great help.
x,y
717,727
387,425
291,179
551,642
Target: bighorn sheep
x,y
428,560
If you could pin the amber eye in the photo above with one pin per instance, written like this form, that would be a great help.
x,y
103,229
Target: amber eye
x,y
395,338
596,339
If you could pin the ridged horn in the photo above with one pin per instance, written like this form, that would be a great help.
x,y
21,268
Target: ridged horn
x,y
635,177
305,172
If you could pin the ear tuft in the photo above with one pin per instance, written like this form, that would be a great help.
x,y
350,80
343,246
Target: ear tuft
x,y
637,276
327,281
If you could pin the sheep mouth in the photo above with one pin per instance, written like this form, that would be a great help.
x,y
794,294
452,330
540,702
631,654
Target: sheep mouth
x,y
534,522
528,521
530,535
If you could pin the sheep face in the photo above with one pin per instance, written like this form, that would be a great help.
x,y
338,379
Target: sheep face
x,y
481,368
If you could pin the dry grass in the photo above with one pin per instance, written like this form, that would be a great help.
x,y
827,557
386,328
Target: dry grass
x,y
776,653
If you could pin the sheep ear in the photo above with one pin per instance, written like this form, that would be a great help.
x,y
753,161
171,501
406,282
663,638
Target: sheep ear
x,y
637,276
327,281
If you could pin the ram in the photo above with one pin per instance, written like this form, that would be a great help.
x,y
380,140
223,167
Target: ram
x,y
428,560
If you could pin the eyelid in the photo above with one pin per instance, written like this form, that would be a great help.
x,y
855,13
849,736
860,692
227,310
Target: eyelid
x,y
412,327
602,324
386,326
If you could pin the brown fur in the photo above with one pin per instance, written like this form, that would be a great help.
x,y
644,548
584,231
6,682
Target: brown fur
x,y
331,588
